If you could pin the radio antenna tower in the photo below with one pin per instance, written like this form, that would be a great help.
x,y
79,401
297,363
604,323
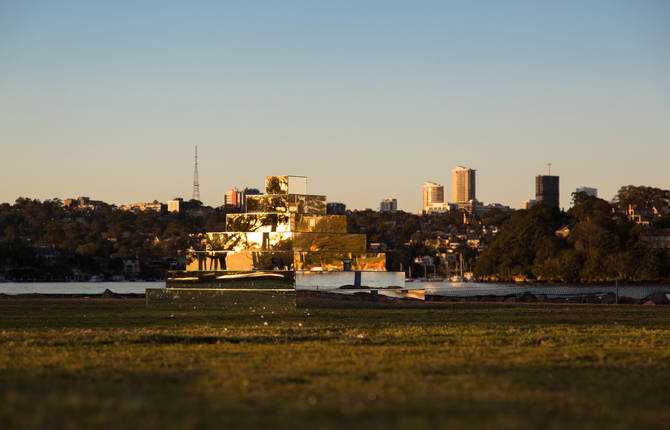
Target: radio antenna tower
x,y
196,185
548,165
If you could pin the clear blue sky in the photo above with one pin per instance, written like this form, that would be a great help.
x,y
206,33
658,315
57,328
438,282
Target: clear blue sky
x,y
368,99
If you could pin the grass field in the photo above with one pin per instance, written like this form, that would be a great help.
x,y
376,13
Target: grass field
x,y
81,364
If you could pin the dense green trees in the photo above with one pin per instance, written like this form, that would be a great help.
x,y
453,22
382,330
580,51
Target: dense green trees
x,y
593,241
81,237
642,196
589,243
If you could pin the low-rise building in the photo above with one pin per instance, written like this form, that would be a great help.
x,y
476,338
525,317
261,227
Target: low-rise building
x,y
659,239
593,192
144,207
527,204
638,215
175,205
336,208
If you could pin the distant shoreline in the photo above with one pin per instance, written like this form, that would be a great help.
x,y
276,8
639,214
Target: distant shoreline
x,y
107,294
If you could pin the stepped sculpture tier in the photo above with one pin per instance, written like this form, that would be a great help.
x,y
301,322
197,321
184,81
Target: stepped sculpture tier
x,y
285,247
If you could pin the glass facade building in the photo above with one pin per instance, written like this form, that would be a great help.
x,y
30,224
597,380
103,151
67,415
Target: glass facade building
x,y
546,190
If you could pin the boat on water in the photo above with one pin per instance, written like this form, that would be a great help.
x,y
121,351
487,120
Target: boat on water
x,y
459,277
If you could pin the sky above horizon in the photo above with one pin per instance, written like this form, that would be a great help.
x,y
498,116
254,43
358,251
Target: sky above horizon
x,y
367,99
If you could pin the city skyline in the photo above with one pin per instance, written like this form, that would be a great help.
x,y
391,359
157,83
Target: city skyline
x,y
108,100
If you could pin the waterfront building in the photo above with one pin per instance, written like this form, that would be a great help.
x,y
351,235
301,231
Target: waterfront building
x,y
433,196
546,190
462,185
593,192
388,205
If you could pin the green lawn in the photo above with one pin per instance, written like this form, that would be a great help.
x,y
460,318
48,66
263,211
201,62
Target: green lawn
x,y
115,364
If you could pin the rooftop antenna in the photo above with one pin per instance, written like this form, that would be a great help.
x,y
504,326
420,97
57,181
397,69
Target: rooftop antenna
x,y
548,165
196,185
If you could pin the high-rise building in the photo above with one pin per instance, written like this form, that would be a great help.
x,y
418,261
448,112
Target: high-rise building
x,y
593,192
546,190
433,194
462,185
388,205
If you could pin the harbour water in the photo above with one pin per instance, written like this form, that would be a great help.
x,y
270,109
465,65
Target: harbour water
x,y
445,289
471,289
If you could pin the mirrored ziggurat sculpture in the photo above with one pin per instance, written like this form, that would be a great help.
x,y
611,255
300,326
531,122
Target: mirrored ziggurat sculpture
x,y
286,248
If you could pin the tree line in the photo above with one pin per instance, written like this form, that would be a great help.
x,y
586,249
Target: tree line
x,y
598,242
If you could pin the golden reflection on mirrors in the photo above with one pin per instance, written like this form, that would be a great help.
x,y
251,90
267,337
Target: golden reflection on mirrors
x,y
267,203
240,241
319,223
335,261
329,242
258,222
307,204
242,260
276,185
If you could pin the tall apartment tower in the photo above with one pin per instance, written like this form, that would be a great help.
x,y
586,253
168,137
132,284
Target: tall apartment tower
x,y
432,194
388,205
546,189
462,185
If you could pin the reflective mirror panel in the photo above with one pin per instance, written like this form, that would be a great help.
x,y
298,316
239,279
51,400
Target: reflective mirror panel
x,y
230,279
254,241
285,241
335,261
320,223
307,204
276,184
280,222
260,222
242,260
297,185
329,242
341,280
268,203
357,298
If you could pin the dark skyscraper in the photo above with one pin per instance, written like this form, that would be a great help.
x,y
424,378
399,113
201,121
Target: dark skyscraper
x,y
546,189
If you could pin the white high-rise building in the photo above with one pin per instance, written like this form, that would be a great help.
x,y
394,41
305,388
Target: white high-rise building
x,y
433,194
462,185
